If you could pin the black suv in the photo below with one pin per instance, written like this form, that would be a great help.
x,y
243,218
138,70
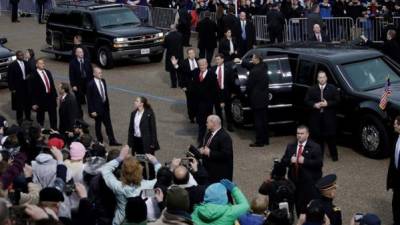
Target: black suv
x,y
109,31
360,76
6,57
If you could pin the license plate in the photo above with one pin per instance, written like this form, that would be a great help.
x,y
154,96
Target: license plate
x,y
145,51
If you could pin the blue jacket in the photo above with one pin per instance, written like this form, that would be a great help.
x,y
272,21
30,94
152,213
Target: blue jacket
x,y
251,219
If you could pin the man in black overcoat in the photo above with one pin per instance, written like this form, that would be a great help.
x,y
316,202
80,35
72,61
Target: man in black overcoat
x,y
247,37
80,73
217,151
304,160
18,83
393,176
322,100
67,111
173,44
257,90
44,94
205,94
14,11
207,37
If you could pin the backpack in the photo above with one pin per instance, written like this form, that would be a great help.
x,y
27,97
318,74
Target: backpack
x,y
282,192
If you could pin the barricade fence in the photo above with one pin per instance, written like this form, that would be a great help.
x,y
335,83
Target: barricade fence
x,y
338,29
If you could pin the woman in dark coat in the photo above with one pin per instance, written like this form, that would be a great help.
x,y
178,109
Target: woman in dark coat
x,y
142,136
30,59
228,46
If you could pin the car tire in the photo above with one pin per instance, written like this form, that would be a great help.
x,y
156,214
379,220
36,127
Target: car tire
x,y
156,58
104,57
373,137
237,112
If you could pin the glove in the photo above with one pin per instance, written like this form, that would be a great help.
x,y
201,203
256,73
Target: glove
x,y
229,185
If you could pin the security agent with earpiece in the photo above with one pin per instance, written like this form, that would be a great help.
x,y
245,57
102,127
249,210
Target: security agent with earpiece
x,y
327,189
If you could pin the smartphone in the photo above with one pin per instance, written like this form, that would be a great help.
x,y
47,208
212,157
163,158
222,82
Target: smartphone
x,y
148,193
141,157
185,162
285,206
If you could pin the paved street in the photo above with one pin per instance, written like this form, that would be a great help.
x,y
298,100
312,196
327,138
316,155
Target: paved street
x,y
362,181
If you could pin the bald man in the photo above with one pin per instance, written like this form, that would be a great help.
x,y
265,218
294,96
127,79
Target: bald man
x,y
217,151
205,93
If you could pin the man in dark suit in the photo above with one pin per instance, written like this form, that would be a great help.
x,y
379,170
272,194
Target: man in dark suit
x,y
389,47
257,89
318,36
226,88
78,44
322,100
14,11
207,37
205,89
217,151
276,23
67,111
173,43
304,160
18,73
80,73
247,37
99,106
44,94
231,22
186,71
393,177
41,13
184,24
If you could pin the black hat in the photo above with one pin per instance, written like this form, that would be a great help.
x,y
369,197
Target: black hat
x,y
326,182
14,129
81,124
278,171
50,194
136,210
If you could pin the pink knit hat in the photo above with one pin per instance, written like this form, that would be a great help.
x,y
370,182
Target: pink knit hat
x,y
77,151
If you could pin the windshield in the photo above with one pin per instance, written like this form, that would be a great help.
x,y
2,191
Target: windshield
x,y
369,74
116,18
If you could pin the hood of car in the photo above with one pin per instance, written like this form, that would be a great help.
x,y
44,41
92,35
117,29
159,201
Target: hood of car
x,y
394,97
5,52
130,31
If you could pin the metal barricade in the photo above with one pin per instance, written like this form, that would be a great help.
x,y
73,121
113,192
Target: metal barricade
x,y
396,21
339,29
26,6
372,28
297,29
144,14
163,17
260,23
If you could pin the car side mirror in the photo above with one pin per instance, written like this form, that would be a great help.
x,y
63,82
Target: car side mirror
x,y
3,40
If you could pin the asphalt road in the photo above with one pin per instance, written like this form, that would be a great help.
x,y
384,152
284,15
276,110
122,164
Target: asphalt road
x,y
362,181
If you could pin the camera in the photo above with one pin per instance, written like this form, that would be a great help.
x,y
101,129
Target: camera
x,y
69,187
148,193
186,162
358,217
46,131
141,157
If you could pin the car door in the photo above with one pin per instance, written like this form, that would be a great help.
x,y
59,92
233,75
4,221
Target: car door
x,y
280,105
72,28
88,31
304,78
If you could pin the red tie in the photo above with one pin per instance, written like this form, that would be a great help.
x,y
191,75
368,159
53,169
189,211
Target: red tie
x,y
46,82
299,152
201,76
219,77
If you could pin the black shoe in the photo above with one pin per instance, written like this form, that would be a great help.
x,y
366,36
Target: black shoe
x,y
115,143
230,128
253,145
335,158
173,86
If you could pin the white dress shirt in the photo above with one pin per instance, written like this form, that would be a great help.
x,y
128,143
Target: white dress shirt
x,y
40,72
212,136
231,47
222,75
22,66
138,118
193,64
397,152
99,85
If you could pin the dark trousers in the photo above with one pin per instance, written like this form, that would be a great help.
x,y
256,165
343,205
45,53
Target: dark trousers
x,y
243,48
207,54
331,142
396,206
173,75
203,111
52,112
227,110
41,13
138,145
191,105
261,126
185,36
14,12
305,192
20,114
106,120
80,98
275,34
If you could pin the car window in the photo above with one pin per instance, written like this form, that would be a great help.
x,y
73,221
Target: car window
x,y
369,74
87,22
116,18
276,75
74,19
57,18
306,73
